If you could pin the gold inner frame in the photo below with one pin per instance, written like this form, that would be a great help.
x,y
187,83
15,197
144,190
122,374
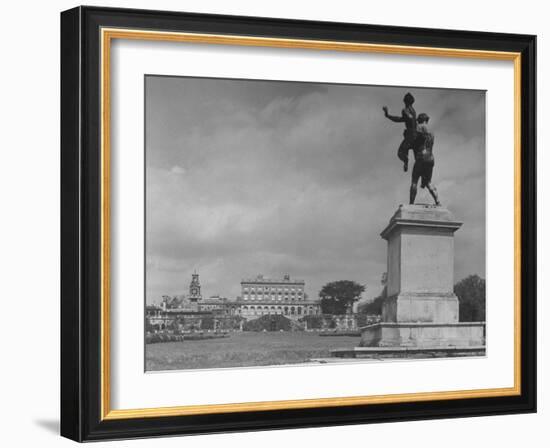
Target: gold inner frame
x,y
107,35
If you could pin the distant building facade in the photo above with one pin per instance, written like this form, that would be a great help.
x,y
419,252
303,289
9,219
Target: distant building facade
x,y
189,311
286,296
194,302
195,289
259,296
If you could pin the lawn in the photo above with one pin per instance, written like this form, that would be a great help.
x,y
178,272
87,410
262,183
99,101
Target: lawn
x,y
244,349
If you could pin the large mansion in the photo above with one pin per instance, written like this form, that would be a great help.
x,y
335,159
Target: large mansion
x,y
284,296
259,296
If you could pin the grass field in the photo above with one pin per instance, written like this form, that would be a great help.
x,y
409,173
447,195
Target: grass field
x,y
244,349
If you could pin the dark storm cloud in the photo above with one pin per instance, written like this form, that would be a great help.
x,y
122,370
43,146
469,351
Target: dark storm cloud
x,y
246,177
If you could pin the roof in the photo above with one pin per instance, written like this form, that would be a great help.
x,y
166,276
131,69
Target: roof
x,y
263,280
215,300
187,312
278,302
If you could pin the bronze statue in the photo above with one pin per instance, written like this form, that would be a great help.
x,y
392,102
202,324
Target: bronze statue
x,y
423,160
417,137
408,116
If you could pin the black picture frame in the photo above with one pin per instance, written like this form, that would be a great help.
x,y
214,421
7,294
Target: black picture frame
x,y
81,224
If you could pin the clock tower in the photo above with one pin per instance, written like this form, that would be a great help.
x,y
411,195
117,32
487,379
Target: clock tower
x,y
195,288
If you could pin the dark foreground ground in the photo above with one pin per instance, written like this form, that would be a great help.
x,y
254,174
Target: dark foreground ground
x,y
244,349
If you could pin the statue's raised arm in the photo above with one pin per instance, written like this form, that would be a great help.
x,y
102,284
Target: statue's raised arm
x,y
408,116
393,118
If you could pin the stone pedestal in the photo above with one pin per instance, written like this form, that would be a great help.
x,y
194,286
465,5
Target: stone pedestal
x,y
421,309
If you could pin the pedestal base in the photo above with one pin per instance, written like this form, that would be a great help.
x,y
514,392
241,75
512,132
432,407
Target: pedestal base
x,y
375,353
423,335
421,307
420,311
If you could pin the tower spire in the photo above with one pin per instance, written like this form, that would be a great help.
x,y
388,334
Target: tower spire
x,y
195,287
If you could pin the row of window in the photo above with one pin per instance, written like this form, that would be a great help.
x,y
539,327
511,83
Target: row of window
x,y
268,297
277,310
272,290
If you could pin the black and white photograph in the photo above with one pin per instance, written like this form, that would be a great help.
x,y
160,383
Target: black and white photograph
x,y
312,223
300,220
275,224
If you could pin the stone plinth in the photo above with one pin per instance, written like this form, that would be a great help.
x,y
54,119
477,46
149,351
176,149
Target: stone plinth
x,y
421,309
423,335
420,265
375,353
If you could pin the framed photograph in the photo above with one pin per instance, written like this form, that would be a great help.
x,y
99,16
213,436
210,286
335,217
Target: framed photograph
x,y
272,223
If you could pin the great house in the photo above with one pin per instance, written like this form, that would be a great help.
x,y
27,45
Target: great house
x,y
286,296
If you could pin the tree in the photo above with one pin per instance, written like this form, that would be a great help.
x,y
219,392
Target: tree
x,y
374,307
149,327
207,323
337,297
173,325
471,298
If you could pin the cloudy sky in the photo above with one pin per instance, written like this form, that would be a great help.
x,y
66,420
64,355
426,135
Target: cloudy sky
x,y
246,177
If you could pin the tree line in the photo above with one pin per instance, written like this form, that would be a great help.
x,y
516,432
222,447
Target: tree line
x,y
339,296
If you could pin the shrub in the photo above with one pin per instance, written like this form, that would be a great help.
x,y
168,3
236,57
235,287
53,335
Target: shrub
x,y
269,322
471,298
314,322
